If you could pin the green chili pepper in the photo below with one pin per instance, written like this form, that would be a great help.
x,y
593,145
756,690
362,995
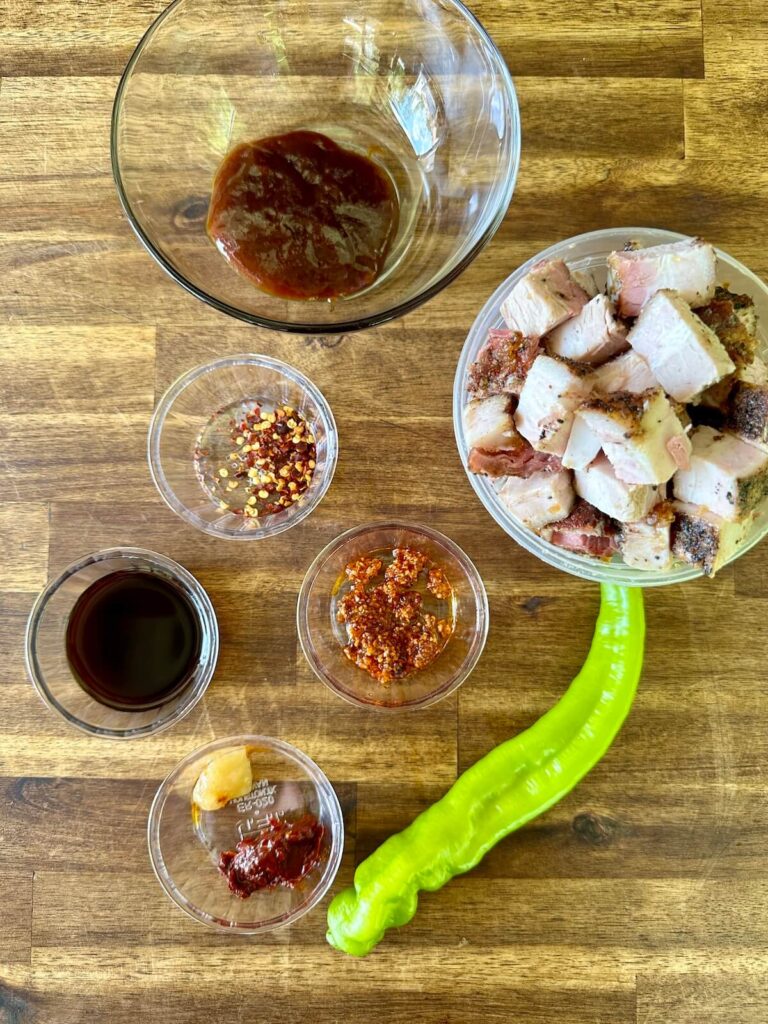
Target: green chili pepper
x,y
512,784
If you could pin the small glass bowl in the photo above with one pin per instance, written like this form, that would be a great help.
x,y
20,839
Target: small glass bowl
x,y
588,252
46,657
185,842
198,399
322,638
418,84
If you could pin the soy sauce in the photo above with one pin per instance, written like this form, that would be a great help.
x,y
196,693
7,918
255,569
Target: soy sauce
x,y
133,640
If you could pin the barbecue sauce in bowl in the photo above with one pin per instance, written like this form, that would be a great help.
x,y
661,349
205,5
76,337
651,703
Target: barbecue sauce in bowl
x,y
302,217
133,640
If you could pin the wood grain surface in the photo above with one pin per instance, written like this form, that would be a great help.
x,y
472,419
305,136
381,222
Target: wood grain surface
x,y
643,896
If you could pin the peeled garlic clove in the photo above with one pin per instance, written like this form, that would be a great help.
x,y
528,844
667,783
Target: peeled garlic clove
x,y
223,779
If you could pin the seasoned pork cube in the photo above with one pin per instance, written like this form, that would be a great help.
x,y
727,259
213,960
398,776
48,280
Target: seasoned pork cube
x,y
583,445
686,267
647,544
726,475
552,391
501,364
718,397
539,499
734,320
704,539
523,460
748,413
684,354
627,372
592,336
640,434
488,423
586,531
599,485
544,298
585,279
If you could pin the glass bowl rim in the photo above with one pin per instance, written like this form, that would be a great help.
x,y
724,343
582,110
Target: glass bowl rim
x,y
204,608
361,322
482,615
164,405
576,565
328,798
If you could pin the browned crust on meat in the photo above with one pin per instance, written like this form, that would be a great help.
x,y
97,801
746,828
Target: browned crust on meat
x,y
623,405
580,369
696,541
584,516
748,411
722,315
661,514
502,364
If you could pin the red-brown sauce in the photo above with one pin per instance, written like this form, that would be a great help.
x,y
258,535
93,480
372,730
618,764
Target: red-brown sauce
x,y
302,217
280,855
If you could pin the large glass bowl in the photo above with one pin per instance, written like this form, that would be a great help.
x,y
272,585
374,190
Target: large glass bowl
x,y
185,842
589,252
417,84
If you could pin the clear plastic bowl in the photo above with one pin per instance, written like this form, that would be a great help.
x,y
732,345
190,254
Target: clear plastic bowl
x,y
589,252
417,83
46,657
185,842
189,406
322,637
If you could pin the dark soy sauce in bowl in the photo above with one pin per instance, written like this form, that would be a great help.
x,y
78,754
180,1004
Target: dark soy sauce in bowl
x,y
133,640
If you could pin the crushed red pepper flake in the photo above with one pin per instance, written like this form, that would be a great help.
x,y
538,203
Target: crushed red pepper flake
x,y
390,635
271,464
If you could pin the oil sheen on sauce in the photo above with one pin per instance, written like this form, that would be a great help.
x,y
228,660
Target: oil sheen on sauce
x,y
302,217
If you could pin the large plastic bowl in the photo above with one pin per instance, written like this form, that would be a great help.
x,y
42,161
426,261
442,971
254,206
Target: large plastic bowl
x,y
589,252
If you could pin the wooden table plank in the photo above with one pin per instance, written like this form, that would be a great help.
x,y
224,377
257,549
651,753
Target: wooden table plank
x,y
640,898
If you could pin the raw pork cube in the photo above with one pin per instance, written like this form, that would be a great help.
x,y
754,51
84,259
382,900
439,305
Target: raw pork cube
x,y
640,434
704,539
627,372
488,423
599,485
586,531
583,445
726,475
684,354
686,267
592,336
539,499
501,364
647,544
552,391
544,298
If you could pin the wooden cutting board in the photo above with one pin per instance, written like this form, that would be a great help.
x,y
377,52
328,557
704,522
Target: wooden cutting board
x,y
642,897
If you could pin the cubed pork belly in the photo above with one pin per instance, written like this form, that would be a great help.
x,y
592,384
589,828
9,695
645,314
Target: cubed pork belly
x,y
686,267
627,372
539,499
501,364
641,435
683,353
726,475
734,320
489,424
585,279
647,543
599,485
586,531
552,391
705,539
583,445
520,461
545,297
592,336
748,413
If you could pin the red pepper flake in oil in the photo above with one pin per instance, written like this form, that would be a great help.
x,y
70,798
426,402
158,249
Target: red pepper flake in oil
x,y
270,465
389,633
